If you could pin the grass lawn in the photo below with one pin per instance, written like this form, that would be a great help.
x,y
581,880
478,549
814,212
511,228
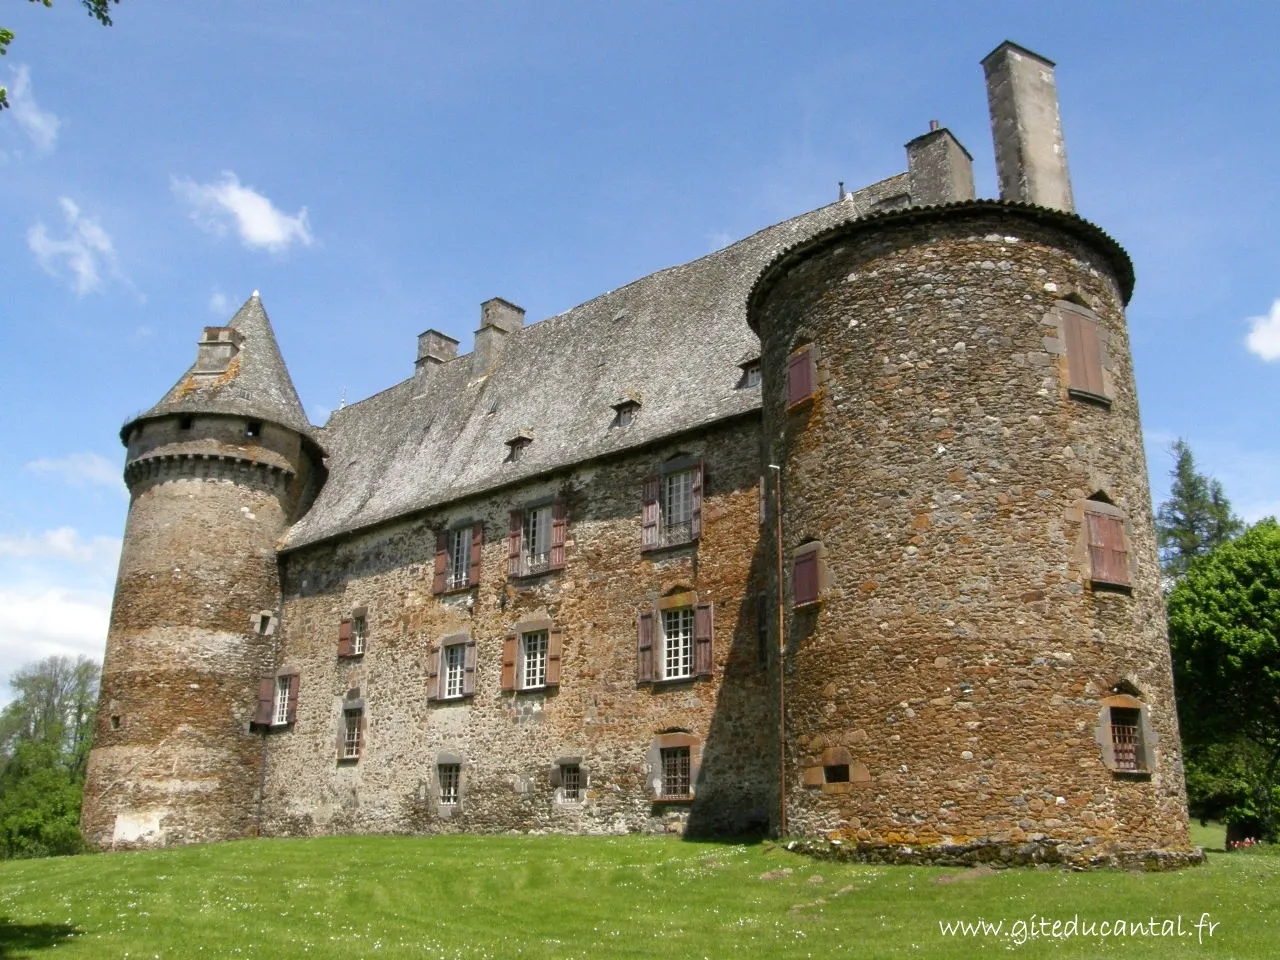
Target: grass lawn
x,y
565,897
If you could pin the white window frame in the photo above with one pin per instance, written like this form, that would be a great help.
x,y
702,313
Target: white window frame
x,y
675,505
678,626
449,777
751,375
534,648
359,633
454,668
351,739
535,539
458,568
281,714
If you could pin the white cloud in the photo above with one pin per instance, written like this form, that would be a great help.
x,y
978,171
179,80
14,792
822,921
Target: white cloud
x,y
85,253
81,469
40,125
39,622
1264,334
256,219
64,543
219,304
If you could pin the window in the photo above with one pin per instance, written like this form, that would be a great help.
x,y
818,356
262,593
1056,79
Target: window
x,y
516,447
672,505
571,781
458,557
277,699
537,539
359,633
115,721
750,375
684,644
809,573
1083,337
353,634
264,624
802,375
184,422
1108,552
625,413
1126,737
352,744
281,714
675,772
1122,733
451,672
253,429
449,776
531,656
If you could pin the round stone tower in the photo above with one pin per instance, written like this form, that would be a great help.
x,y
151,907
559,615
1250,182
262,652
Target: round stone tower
x,y
976,665
216,471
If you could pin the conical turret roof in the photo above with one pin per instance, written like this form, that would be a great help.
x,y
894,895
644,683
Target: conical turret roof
x,y
255,383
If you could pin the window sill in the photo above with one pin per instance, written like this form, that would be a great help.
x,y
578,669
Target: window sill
x,y
351,656
669,547
809,605
684,798
1096,399
801,405
675,681
348,761
1106,586
1131,774
449,591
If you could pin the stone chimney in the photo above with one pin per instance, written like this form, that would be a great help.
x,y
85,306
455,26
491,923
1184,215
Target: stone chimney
x,y
1031,157
498,319
434,348
216,349
939,168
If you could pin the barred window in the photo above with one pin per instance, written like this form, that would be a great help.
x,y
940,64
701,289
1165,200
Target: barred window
x,y
677,507
458,571
534,658
352,734
281,714
571,781
450,777
677,643
454,669
675,771
359,634
1126,738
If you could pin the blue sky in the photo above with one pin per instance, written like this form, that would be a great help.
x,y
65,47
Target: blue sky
x,y
377,169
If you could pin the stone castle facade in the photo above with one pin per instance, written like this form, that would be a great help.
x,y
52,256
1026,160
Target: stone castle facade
x,y
842,532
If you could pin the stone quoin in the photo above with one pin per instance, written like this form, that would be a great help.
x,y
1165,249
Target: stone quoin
x,y
841,532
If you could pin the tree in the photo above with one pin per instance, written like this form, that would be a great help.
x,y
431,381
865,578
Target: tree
x,y
100,10
1195,519
54,705
1224,633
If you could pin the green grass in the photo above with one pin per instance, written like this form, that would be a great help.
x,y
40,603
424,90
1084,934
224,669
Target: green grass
x,y
566,897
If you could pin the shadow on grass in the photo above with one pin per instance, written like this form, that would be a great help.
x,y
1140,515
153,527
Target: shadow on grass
x,y
18,939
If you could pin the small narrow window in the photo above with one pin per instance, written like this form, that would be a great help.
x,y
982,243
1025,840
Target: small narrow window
x,y
750,375
450,778
352,733
516,447
281,714
454,669
675,772
459,569
253,429
115,721
264,622
1126,738
359,634
571,781
677,643
533,653
184,422
836,773
624,414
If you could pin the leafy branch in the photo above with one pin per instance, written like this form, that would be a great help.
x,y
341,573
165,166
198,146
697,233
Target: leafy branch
x,y
100,10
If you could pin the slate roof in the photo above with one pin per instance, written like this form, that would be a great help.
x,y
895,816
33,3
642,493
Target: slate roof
x,y
673,340
256,384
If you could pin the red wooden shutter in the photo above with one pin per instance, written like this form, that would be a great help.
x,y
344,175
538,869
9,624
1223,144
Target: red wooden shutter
x,y
295,682
433,672
800,370
477,551
703,633
804,584
344,638
555,637
513,543
509,661
1108,557
695,500
559,521
644,648
469,669
442,561
1084,353
764,502
649,514
266,709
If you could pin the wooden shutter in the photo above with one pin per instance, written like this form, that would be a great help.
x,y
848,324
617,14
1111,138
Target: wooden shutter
x,y
800,375
644,648
1108,558
559,522
704,625
804,584
266,708
649,513
442,560
477,551
433,671
1084,353
291,714
361,737
764,502
513,543
555,637
509,661
344,638
469,669
341,743
695,500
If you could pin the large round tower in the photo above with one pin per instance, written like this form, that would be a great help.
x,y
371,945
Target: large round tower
x,y
216,471
976,663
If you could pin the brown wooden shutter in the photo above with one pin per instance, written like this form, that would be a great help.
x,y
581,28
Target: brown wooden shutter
x,y
1108,558
361,737
695,500
703,633
559,523
469,669
804,584
764,502
442,560
509,661
513,543
344,638
644,648
295,682
477,553
555,638
266,708
433,671
1084,353
800,375
649,514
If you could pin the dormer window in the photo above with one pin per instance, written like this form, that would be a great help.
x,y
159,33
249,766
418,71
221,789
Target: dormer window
x,y
184,422
517,445
750,374
625,413
253,429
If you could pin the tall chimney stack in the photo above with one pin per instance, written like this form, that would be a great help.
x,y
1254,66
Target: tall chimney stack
x,y
1031,157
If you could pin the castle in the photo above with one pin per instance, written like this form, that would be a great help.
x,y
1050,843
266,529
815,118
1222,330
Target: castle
x,y
842,532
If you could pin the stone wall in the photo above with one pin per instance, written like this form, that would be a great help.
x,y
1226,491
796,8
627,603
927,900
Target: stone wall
x,y
960,654
508,743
